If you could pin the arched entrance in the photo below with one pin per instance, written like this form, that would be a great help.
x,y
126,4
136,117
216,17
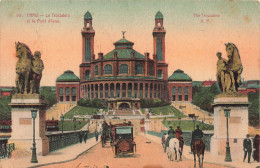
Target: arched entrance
x,y
124,106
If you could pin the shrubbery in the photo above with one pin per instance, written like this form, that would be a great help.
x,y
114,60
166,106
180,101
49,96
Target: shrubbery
x,y
204,97
148,103
253,109
95,103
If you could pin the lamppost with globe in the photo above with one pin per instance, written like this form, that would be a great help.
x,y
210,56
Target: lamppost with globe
x,y
74,121
62,120
34,157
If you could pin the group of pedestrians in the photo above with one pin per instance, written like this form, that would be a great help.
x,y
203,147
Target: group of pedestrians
x,y
84,136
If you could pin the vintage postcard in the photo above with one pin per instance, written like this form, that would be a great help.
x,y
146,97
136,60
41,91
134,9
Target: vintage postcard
x,y
129,83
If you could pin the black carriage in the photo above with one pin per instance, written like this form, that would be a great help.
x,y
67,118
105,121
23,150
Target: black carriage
x,y
123,141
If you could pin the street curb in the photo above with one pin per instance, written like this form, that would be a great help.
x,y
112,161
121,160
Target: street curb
x,y
46,164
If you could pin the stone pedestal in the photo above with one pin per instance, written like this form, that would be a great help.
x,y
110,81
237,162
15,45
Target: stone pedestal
x,y
22,123
237,124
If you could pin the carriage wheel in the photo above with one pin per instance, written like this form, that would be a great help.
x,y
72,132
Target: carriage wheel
x,y
115,152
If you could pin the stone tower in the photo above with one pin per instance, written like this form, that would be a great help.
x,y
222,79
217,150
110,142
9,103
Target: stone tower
x,y
88,56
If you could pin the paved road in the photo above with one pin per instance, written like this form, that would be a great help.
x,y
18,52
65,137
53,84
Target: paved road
x,y
148,155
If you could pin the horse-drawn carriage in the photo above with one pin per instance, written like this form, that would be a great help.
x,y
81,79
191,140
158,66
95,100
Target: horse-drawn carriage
x,y
123,140
106,136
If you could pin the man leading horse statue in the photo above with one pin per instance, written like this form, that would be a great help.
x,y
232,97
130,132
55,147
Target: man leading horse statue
x,y
28,69
229,71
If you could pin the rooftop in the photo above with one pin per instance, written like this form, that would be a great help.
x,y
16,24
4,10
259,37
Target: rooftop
x,y
68,76
179,75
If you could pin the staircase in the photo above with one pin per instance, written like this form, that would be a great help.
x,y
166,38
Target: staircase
x,y
57,109
124,112
188,108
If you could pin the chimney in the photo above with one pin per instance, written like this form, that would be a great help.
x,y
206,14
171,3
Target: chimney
x,y
146,56
115,55
100,56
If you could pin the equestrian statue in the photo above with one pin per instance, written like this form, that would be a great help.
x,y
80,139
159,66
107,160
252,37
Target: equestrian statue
x,y
28,70
229,71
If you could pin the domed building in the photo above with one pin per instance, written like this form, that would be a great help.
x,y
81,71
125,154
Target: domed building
x,y
67,87
180,86
123,76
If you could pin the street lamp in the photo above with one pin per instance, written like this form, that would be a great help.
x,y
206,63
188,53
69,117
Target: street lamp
x,y
74,121
179,119
62,120
228,154
34,157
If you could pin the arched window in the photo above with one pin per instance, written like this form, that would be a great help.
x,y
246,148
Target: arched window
x,y
96,70
186,93
73,90
61,91
173,94
87,74
61,94
123,69
159,74
67,91
139,69
108,69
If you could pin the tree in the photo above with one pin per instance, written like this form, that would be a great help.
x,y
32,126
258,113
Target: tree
x,y
5,109
253,109
49,96
204,97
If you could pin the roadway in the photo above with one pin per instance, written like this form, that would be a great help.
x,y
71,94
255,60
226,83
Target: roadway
x,y
148,155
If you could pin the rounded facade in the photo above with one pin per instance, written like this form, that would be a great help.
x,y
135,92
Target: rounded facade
x,y
123,76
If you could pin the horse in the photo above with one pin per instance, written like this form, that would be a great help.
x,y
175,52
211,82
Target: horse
x,y
23,68
234,65
198,148
173,149
164,141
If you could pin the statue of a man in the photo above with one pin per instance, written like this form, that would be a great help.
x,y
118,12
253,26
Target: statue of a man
x,y
221,69
37,72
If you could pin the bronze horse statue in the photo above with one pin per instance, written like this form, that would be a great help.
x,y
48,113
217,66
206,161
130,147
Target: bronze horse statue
x,y
233,70
28,69
198,148
23,68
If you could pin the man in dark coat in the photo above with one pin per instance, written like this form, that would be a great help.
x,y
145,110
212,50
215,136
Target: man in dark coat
x,y
96,135
197,134
247,146
171,131
80,136
85,137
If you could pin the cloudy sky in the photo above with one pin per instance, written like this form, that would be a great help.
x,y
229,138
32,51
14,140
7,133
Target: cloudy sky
x,y
192,36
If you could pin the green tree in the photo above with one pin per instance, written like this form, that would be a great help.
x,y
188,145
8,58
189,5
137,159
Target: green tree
x,y
49,96
253,109
5,109
204,97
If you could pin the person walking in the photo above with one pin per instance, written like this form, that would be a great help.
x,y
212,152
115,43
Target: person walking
x,y
80,136
247,146
85,137
96,135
